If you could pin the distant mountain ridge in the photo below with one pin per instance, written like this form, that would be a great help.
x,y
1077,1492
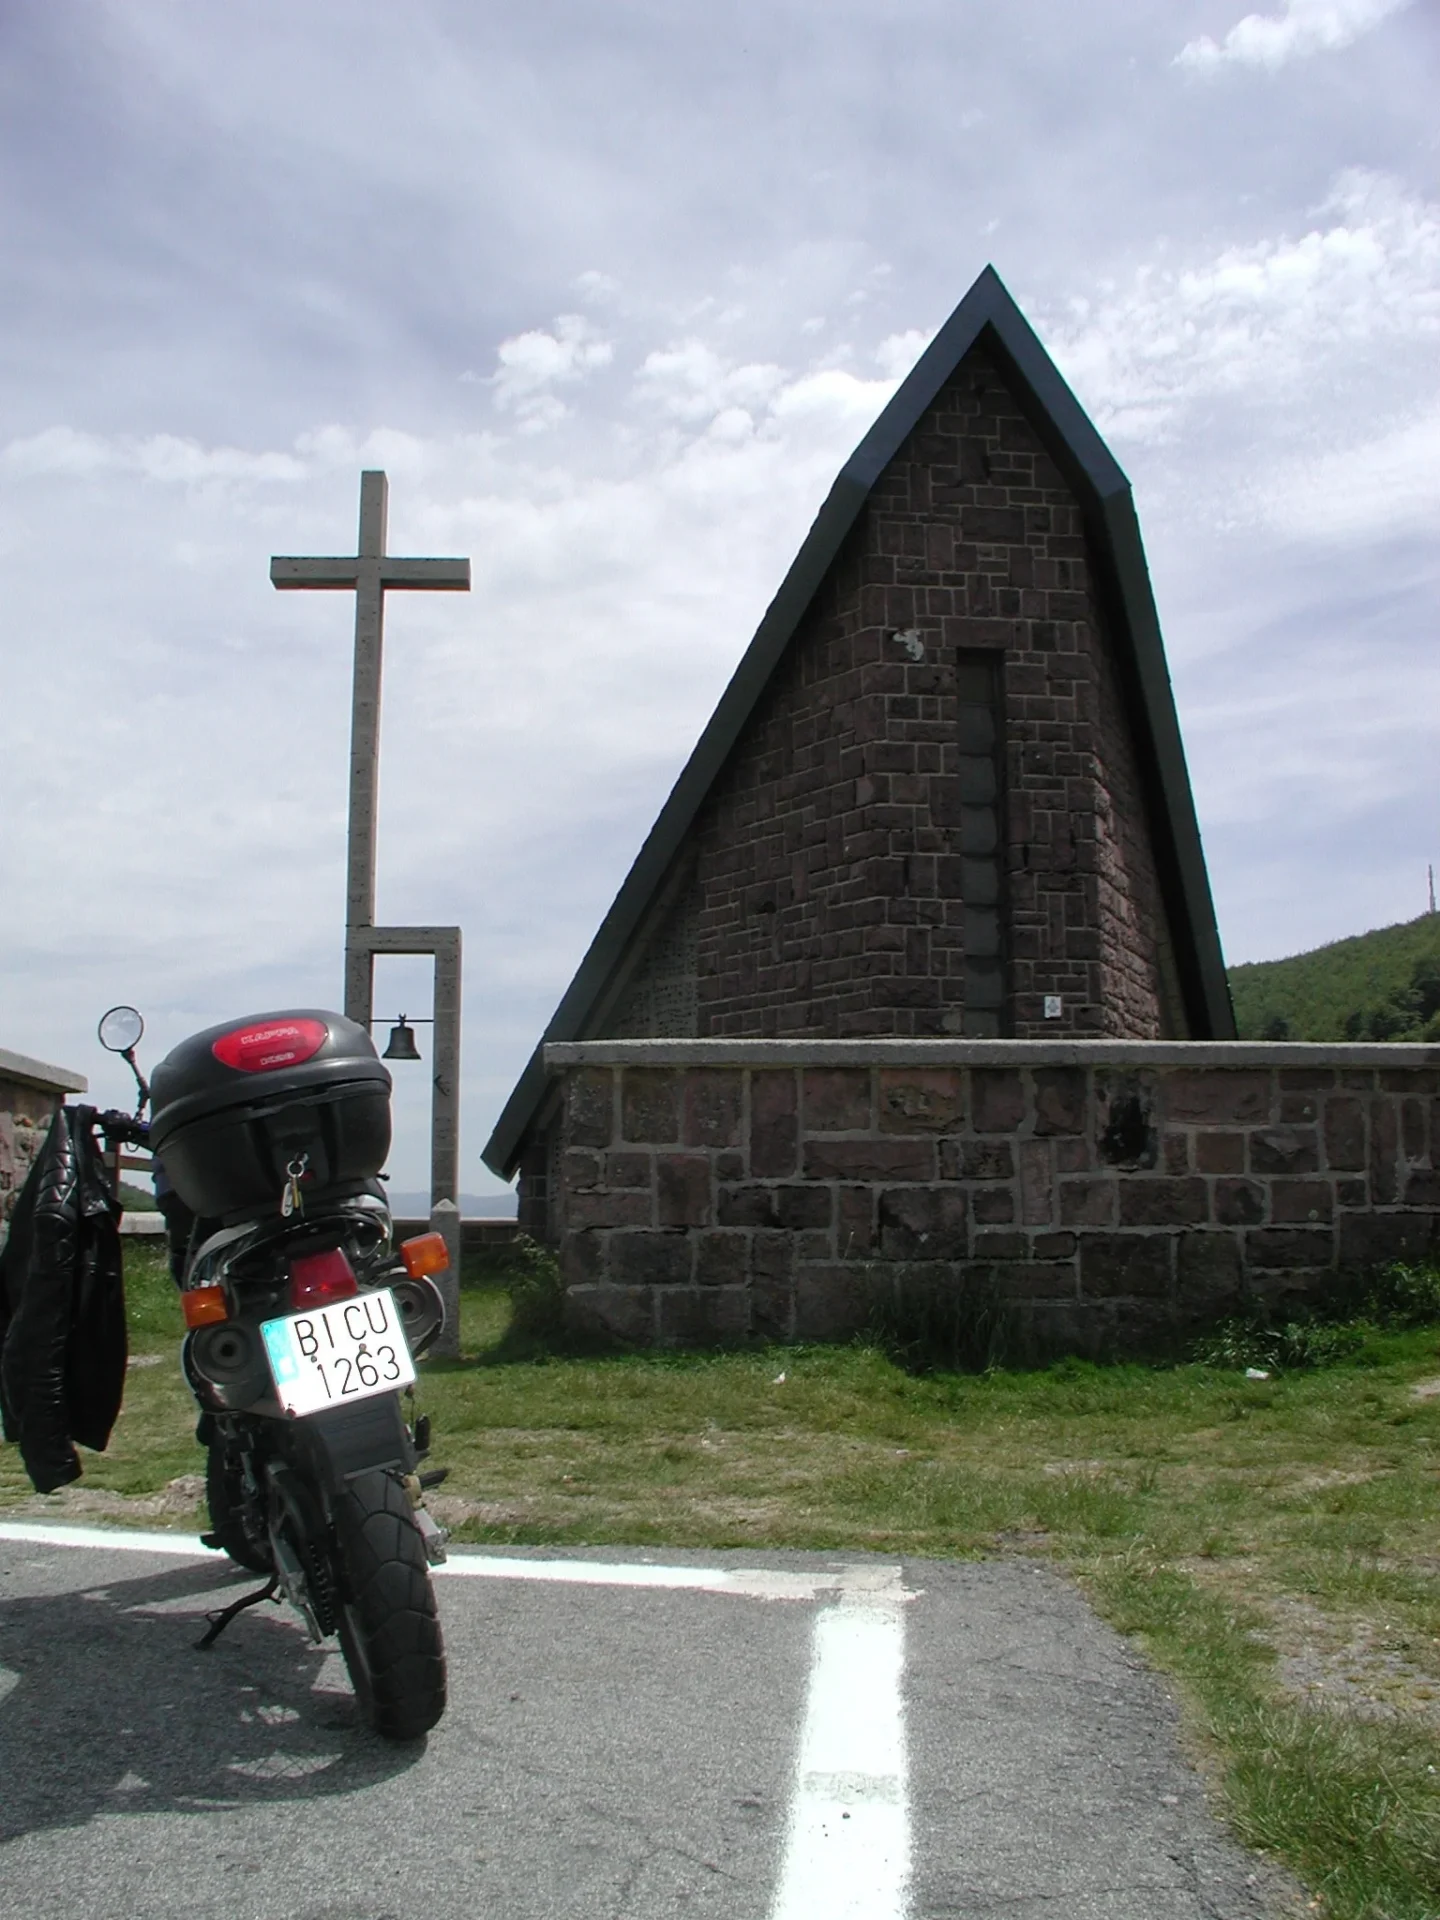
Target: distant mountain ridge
x,y
498,1205
1383,985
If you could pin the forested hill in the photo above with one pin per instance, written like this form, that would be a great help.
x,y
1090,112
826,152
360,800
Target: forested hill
x,y
1383,985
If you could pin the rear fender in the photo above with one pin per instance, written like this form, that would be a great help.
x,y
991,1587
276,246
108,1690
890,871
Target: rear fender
x,y
369,1436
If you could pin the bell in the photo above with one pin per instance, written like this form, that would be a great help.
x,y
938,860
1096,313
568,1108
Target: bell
x,y
402,1043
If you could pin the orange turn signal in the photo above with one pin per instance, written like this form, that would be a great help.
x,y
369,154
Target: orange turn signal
x,y
426,1253
203,1306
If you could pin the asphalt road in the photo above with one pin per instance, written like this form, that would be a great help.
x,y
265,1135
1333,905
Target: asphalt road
x,y
738,1737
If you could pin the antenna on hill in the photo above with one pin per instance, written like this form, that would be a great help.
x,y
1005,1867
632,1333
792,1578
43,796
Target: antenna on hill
x,y
1431,871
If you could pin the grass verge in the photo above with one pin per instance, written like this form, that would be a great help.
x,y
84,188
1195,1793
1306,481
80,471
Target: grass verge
x,y
1273,1544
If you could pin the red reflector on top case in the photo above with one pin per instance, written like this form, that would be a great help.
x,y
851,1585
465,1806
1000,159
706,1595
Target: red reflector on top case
x,y
274,1043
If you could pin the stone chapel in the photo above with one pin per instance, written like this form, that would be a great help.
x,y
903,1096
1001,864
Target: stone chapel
x,y
944,793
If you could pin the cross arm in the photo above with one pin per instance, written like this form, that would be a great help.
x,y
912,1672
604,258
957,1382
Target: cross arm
x,y
445,576
288,571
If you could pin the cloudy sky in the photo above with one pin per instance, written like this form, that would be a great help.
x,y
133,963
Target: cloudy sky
x,y
611,293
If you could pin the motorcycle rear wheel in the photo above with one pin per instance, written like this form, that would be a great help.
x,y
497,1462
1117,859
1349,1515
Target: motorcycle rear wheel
x,y
389,1628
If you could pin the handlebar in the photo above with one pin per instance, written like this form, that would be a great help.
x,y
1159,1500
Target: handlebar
x,y
124,1127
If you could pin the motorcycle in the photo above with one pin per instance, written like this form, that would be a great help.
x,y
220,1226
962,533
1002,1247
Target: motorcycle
x,y
303,1324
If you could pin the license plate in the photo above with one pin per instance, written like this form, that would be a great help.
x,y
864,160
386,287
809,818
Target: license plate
x,y
346,1351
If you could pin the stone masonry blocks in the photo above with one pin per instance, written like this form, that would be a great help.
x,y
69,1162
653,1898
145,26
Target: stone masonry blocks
x,y
789,1196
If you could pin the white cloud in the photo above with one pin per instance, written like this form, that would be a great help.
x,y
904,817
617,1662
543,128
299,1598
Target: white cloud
x,y
1271,40
1264,319
160,456
896,355
692,382
598,288
531,364
1382,489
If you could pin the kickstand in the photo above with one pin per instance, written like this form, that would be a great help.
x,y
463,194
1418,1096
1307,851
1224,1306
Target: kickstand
x,y
219,1621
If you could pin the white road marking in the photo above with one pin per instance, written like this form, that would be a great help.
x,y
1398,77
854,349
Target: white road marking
x,y
747,1583
847,1849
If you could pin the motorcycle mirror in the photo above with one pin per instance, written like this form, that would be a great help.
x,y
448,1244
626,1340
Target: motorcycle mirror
x,y
120,1030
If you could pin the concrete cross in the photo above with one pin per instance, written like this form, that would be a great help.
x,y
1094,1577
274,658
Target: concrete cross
x,y
368,573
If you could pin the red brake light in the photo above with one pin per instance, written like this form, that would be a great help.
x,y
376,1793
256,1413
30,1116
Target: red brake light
x,y
274,1043
316,1278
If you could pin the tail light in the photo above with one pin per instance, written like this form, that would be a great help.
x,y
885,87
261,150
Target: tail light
x,y
203,1306
318,1278
426,1253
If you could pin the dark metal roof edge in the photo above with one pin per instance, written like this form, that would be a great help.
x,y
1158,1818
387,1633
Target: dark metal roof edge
x,y
986,308
1198,951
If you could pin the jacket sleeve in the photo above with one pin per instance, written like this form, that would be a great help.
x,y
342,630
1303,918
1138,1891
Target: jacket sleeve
x,y
32,1364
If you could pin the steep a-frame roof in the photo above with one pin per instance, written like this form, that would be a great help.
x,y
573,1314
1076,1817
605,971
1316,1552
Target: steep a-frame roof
x,y
987,317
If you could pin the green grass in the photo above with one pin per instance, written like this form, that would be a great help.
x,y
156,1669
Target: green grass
x,y
1383,985
1240,1530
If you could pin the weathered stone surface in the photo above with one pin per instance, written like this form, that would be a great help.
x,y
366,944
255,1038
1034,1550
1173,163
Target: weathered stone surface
x,y
1033,1279
1127,1133
795,1205
992,1206
682,1190
1284,1150
921,1100
625,1315
772,1287
913,1202
1089,1202
1217,1152
702,1316
873,1159
581,1169
837,1100
628,1168
1239,1203
1384,1153
1209,1275
1290,1247
977,1160
855,1225
590,1107
608,1209
836,1302
1175,1151
774,1125
997,1100
1125,1263
1060,1100
1037,1183
722,1259
582,1259
1370,1239
1214,1097
714,1100
650,1259
1159,1202
1300,1200
923,1223
650,1105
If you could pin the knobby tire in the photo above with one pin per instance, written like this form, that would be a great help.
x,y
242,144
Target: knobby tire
x,y
389,1629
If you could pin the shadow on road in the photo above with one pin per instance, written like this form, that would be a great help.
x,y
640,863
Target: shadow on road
x,y
106,1707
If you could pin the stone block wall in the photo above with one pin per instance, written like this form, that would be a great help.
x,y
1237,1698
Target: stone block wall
x,y
1118,1195
30,1092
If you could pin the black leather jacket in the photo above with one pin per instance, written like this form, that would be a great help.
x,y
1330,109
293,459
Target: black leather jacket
x,y
62,1306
